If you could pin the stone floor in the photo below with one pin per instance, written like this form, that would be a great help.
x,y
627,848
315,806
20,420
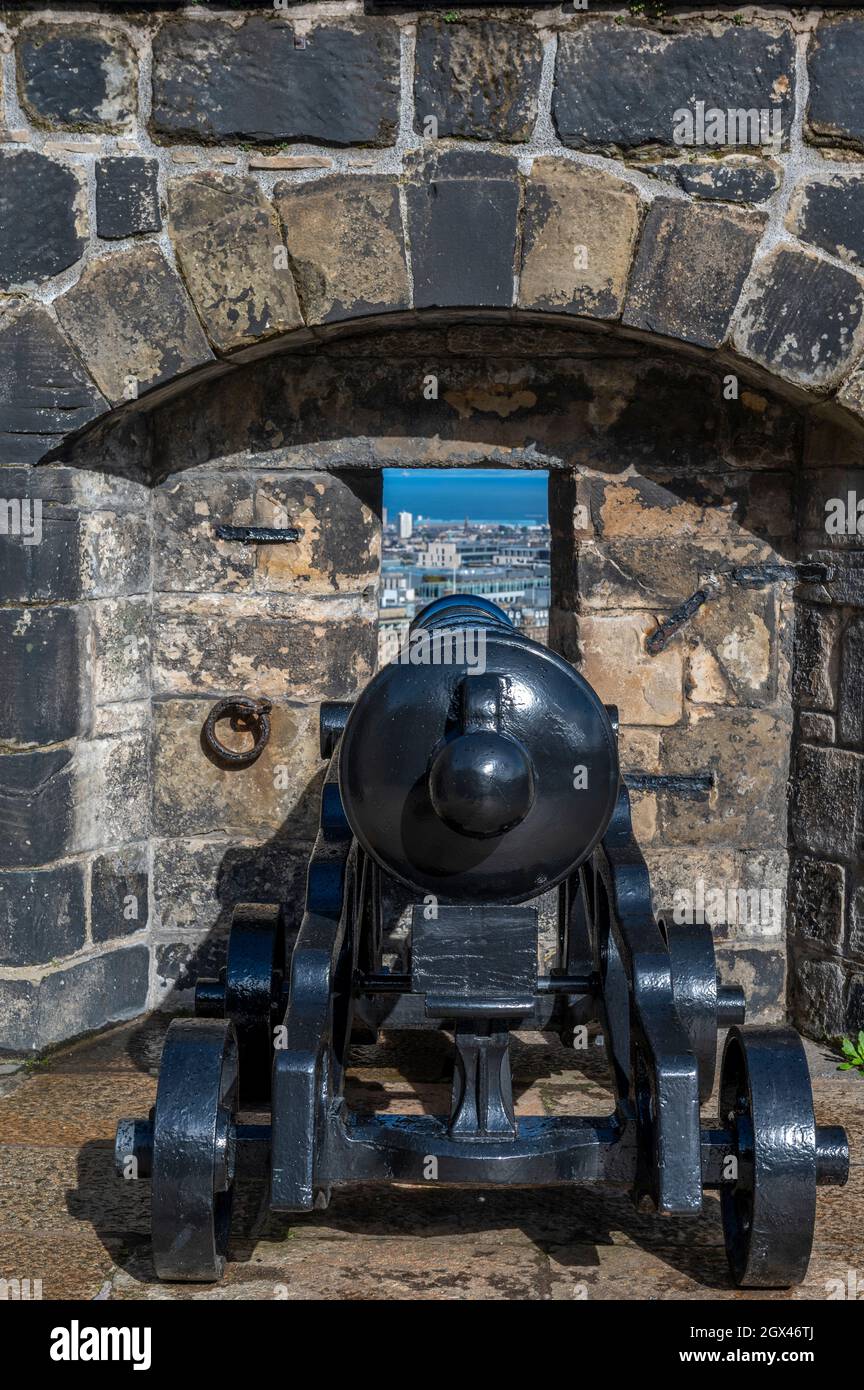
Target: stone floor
x,y
67,1220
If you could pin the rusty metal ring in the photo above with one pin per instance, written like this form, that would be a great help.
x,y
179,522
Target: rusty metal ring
x,y
244,713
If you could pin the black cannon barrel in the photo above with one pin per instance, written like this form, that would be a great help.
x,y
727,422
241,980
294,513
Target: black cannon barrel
x,y
477,765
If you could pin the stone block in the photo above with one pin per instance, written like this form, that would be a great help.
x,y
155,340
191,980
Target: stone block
x,y
77,77
43,218
127,197
834,58
115,554
214,81
739,179
814,673
42,914
193,796
44,389
850,702
817,989
801,318
761,972
691,266
816,896
229,246
462,214
35,807
132,321
479,79
620,87
261,645
76,999
825,804
747,750
579,235
39,700
119,650
647,689
346,246
119,888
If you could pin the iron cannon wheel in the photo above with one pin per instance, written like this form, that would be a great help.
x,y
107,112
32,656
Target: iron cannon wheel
x,y
254,972
194,1142
769,1211
694,987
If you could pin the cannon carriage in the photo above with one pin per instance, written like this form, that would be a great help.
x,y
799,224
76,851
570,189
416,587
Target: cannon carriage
x,y
479,772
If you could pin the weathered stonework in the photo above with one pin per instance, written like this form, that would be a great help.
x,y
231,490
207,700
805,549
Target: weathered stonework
x,y
601,68
829,212
340,86
833,63
462,223
77,78
578,240
801,318
692,263
131,317
228,244
479,79
127,197
346,246
43,218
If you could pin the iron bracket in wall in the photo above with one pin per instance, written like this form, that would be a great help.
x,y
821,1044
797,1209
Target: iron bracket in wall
x,y
749,577
693,786
259,535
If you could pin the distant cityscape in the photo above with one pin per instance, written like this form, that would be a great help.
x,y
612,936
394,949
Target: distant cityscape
x,y
507,562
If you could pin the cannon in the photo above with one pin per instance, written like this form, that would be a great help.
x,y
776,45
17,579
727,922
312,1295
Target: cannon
x,y
476,774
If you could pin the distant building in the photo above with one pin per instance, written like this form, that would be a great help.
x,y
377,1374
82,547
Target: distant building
x,y
440,555
406,526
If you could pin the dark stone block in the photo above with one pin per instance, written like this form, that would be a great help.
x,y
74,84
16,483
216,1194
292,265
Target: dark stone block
x,y
77,78
802,317
35,807
690,268
830,213
127,197
42,915
43,218
479,78
816,995
825,801
617,86
738,181
462,212
78,999
215,82
814,673
39,674
850,723
855,1006
816,901
835,115
46,571
44,390
119,894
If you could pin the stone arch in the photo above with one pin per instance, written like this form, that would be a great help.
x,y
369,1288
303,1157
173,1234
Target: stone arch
x,y
458,234
155,372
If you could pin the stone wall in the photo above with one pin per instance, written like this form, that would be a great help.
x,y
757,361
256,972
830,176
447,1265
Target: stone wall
x,y
220,296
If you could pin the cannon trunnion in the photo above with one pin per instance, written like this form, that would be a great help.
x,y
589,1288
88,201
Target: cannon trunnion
x,y
474,774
